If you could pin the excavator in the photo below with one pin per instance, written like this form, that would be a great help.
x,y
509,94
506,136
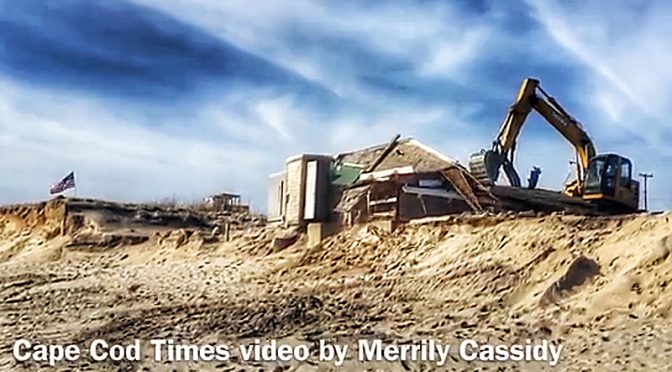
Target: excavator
x,y
604,180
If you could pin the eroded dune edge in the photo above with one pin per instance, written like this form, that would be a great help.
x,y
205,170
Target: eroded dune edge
x,y
71,273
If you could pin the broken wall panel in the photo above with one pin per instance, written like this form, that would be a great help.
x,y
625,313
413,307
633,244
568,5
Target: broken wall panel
x,y
383,199
420,202
276,196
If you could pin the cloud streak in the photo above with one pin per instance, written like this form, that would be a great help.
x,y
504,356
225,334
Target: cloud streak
x,y
137,53
188,98
626,80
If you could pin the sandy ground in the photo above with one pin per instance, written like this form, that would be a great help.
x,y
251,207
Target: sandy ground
x,y
498,279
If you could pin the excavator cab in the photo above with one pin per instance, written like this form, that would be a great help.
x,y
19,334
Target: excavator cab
x,y
609,182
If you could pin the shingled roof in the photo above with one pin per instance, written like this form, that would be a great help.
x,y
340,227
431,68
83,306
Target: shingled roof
x,y
404,152
411,153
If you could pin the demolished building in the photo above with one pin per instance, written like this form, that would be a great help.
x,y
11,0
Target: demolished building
x,y
398,181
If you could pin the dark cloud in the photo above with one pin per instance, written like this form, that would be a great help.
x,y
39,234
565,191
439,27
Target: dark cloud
x,y
114,47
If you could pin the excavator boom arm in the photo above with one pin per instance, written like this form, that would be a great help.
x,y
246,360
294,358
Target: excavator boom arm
x,y
605,180
515,118
569,128
501,155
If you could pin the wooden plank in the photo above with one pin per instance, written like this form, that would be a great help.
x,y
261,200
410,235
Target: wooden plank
x,y
383,154
517,198
383,201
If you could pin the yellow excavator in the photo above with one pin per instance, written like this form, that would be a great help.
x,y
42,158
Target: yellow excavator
x,y
604,179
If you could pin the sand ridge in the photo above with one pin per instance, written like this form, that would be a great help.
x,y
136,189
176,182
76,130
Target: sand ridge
x,y
599,286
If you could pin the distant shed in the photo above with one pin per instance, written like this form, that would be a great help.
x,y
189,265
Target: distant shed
x,y
226,202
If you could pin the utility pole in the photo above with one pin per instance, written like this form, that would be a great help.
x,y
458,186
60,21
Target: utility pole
x,y
646,177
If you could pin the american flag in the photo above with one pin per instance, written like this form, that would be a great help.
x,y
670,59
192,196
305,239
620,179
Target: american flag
x,y
68,182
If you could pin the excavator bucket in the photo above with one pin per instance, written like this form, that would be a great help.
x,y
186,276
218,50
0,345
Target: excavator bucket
x,y
484,166
479,169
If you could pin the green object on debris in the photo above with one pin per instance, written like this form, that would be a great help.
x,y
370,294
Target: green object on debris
x,y
344,174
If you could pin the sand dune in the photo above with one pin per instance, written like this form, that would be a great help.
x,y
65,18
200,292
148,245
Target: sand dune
x,y
597,285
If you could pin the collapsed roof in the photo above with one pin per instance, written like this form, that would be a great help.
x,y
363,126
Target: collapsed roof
x,y
404,156
397,154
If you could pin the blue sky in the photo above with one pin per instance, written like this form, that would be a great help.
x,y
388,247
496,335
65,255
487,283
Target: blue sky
x,y
149,99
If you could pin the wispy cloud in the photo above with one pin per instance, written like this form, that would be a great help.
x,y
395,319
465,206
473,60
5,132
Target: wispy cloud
x,y
622,48
113,158
187,97
338,43
626,81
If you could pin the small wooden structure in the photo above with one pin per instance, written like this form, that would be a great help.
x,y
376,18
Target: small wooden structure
x,y
227,202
